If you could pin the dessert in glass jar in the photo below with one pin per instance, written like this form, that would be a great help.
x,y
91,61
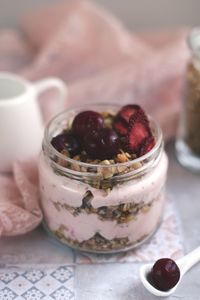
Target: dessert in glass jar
x,y
102,176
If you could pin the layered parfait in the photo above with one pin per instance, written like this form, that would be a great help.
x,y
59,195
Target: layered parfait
x,y
102,176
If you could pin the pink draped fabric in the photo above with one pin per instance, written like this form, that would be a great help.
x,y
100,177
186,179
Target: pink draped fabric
x,y
100,60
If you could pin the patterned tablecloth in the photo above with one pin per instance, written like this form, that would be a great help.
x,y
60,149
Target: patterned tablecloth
x,y
32,282
35,282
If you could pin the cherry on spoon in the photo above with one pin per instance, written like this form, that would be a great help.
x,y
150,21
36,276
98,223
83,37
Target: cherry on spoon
x,y
184,264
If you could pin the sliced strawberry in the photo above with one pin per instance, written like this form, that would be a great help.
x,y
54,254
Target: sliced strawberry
x,y
147,145
120,126
138,131
128,111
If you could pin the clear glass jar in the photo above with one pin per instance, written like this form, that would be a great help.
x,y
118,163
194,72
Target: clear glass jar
x,y
89,208
188,137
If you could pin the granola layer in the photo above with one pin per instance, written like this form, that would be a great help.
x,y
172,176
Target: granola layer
x,y
98,242
122,213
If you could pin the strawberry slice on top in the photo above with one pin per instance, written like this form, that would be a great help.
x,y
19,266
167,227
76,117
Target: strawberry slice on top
x,y
139,133
147,145
120,126
132,125
128,111
121,121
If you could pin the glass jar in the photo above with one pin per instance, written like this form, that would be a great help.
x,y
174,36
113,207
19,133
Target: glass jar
x,y
188,138
101,208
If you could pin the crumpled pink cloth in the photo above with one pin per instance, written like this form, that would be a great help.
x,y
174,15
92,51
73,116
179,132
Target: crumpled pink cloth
x,y
101,61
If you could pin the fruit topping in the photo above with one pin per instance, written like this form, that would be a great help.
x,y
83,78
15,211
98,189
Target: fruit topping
x,y
103,136
128,111
66,141
138,132
147,145
102,144
85,122
120,126
132,124
165,274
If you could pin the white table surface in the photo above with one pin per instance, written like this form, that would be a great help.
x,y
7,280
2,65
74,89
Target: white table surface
x,y
117,281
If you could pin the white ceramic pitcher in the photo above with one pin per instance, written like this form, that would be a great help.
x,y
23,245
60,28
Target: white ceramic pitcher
x,y
21,124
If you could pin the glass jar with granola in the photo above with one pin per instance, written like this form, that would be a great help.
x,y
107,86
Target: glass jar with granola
x,y
188,139
102,177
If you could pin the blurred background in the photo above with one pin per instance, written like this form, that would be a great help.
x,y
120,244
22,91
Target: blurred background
x,y
136,14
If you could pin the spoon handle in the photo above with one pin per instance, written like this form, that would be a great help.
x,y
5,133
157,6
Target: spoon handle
x,y
189,260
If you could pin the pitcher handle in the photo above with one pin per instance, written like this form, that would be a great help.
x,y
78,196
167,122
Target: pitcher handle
x,y
53,83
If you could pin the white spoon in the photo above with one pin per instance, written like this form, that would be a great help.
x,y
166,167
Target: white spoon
x,y
184,264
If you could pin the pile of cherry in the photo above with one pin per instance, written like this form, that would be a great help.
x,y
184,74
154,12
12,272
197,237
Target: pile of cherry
x,y
130,132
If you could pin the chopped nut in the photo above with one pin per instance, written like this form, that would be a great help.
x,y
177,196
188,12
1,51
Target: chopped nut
x,y
128,155
137,165
65,152
77,157
63,227
84,169
106,172
130,218
107,190
121,158
105,162
57,206
145,209
59,234
96,161
75,167
126,207
111,161
61,161
122,169
108,114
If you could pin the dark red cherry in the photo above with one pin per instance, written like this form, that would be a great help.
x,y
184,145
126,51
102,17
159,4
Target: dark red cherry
x,y
85,122
165,274
102,144
66,141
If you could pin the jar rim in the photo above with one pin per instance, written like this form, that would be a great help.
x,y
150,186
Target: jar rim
x,y
47,139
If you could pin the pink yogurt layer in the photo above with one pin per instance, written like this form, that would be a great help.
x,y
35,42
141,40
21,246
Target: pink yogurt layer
x,y
57,188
